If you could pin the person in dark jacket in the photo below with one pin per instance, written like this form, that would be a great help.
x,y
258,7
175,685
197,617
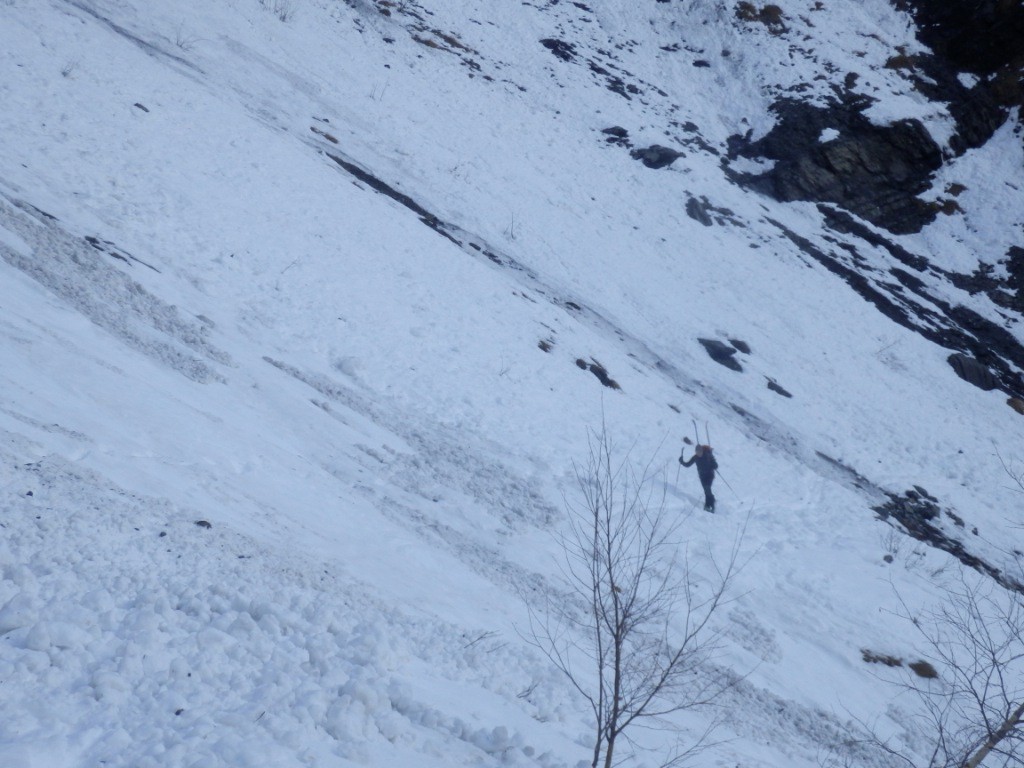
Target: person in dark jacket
x,y
704,458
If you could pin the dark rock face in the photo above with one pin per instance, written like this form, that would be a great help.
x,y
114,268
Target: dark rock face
x,y
973,371
904,297
599,371
978,36
920,514
878,172
617,135
721,353
656,156
563,50
985,38
873,171
1006,292
1015,267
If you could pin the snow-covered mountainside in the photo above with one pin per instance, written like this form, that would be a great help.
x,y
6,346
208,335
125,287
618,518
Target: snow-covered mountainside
x,y
307,309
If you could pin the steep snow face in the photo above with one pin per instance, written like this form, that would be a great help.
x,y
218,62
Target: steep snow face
x,y
308,305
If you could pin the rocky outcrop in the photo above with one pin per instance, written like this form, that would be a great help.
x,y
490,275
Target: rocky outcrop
x,y
981,37
656,156
973,371
921,516
978,36
721,353
835,154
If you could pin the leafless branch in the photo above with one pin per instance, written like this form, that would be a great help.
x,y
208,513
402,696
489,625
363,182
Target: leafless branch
x,y
636,637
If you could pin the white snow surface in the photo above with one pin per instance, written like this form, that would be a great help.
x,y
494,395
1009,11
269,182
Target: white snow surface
x,y
279,462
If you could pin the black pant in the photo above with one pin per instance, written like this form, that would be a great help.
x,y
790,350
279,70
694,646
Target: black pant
x,y
709,497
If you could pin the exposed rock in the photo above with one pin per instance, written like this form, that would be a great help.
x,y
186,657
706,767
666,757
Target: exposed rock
x,y
921,516
985,38
702,210
873,171
698,212
912,304
877,172
599,371
977,110
1015,267
979,36
924,669
973,372
656,156
617,135
721,353
563,50
1004,292
769,15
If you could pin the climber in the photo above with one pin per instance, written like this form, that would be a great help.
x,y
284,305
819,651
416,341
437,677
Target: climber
x,y
704,458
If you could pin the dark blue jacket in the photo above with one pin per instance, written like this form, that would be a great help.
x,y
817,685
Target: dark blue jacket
x,y
706,465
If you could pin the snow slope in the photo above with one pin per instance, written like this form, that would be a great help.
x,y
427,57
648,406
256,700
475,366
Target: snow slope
x,y
301,305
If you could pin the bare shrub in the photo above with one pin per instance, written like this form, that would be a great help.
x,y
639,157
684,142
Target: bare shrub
x,y
634,635
970,685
